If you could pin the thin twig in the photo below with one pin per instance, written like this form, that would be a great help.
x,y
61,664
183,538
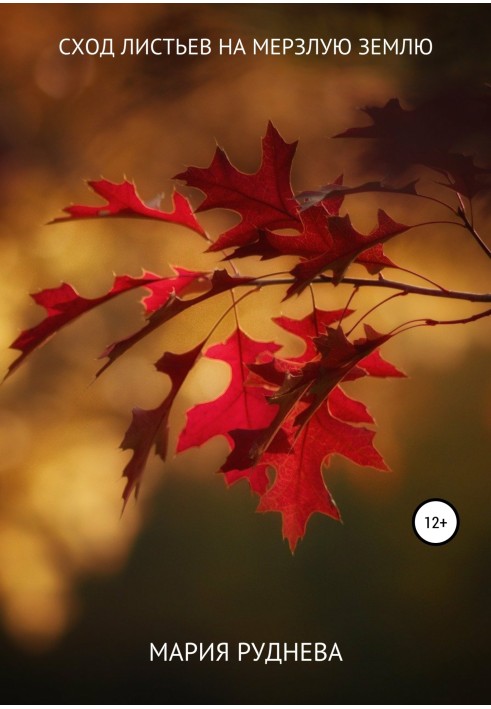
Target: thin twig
x,y
468,225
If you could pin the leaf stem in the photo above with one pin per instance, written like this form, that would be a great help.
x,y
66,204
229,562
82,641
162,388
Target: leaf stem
x,y
369,312
353,293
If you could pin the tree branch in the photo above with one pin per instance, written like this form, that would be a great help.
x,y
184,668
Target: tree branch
x,y
383,283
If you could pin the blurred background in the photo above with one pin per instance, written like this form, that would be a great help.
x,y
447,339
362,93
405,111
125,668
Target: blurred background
x,y
82,591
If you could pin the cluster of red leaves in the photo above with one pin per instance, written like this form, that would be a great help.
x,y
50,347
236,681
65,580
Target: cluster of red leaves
x,y
283,417
291,415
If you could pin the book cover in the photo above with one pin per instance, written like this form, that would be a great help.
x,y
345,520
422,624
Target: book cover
x,y
269,424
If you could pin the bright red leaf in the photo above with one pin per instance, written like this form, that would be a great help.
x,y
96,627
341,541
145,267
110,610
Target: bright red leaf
x,y
298,455
164,289
63,305
376,366
299,490
240,405
343,407
123,201
308,383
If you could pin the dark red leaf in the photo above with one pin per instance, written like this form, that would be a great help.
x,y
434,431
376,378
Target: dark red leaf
x,y
375,260
261,247
318,378
245,455
389,122
428,135
314,239
466,178
150,428
343,244
263,199
310,326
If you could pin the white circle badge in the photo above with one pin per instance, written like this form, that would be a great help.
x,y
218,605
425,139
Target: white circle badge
x,y
435,522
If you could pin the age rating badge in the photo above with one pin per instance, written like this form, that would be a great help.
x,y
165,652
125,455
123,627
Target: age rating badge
x,y
435,522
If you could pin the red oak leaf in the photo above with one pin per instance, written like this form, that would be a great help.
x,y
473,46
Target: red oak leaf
x,y
427,135
240,405
309,327
162,290
314,239
263,199
123,201
375,260
270,245
340,405
466,178
298,455
343,407
243,460
299,489
376,366
339,357
63,305
343,244
150,427
256,476
303,389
